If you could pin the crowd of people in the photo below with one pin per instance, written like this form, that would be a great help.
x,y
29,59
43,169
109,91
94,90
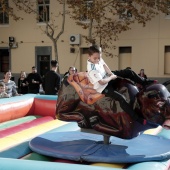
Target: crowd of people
x,y
99,74
33,82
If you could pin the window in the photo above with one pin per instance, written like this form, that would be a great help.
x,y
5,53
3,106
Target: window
x,y
43,10
125,50
4,18
85,50
125,57
167,15
87,6
125,13
167,60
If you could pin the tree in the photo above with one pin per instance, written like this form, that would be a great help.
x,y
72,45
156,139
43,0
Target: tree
x,y
28,6
6,10
106,19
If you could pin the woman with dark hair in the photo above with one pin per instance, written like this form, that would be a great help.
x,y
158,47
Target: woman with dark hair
x,y
142,73
70,71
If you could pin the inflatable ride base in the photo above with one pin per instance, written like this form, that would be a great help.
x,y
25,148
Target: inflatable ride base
x,y
80,146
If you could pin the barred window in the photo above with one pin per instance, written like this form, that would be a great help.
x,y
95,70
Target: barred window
x,y
123,12
88,4
43,10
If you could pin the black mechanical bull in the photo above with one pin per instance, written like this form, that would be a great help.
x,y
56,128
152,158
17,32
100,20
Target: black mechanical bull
x,y
79,102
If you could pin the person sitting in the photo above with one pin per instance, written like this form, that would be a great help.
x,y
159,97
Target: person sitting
x,y
22,83
3,94
142,74
10,86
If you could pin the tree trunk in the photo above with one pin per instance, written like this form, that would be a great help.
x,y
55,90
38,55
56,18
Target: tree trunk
x,y
55,49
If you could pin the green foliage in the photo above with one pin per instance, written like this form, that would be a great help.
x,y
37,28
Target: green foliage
x,y
106,19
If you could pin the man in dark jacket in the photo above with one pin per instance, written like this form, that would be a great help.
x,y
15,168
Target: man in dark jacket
x,y
52,80
34,80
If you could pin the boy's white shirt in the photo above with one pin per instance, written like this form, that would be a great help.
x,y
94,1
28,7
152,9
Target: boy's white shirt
x,y
96,72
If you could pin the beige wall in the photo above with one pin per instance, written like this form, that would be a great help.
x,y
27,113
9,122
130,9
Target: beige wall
x,y
147,44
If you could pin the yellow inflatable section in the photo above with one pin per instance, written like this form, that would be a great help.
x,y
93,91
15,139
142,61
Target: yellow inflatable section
x,y
28,134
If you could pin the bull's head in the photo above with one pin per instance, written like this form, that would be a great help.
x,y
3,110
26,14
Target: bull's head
x,y
154,104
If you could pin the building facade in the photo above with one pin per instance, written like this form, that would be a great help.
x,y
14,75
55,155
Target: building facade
x,y
23,44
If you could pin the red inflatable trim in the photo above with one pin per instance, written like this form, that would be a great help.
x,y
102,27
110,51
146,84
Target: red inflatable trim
x,y
16,110
23,126
44,107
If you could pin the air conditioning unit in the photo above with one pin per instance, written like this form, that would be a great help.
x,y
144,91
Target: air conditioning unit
x,y
75,39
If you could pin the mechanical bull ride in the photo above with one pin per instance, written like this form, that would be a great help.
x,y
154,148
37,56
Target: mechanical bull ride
x,y
79,102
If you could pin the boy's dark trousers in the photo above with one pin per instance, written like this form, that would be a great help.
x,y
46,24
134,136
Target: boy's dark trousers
x,y
130,74
109,91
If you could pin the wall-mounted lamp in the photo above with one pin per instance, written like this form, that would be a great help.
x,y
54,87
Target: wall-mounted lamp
x,y
21,41
11,41
42,41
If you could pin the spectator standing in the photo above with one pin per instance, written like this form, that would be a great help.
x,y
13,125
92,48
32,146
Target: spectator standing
x,y
142,73
34,80
10,85
3,94
52,80
22,83
71,70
